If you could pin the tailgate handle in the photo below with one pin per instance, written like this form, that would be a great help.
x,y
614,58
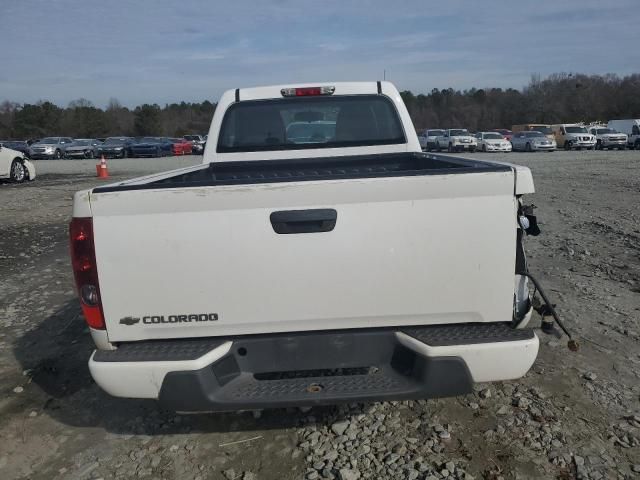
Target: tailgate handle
x,y
304,221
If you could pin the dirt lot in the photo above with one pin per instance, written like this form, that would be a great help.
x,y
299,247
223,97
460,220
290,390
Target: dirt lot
x,y
574,415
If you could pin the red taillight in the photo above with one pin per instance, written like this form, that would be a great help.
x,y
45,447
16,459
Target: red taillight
x,y
85,272
307,91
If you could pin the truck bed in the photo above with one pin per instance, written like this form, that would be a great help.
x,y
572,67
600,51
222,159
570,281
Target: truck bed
x,y
313,169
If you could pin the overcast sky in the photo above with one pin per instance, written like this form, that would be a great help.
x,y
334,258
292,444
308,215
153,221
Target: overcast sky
x,y
165,51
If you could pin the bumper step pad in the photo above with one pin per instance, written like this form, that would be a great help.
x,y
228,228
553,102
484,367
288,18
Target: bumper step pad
x,y
467,334
159,350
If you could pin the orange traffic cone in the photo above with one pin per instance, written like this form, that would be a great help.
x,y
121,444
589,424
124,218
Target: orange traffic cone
x,y
101,168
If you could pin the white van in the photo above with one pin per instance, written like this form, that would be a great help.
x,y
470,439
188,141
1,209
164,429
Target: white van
x,y
629,126
571,135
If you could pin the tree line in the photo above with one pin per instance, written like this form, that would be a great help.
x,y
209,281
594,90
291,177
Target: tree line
x,y
82,119
558,98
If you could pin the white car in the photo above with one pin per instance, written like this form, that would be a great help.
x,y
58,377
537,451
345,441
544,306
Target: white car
x,y
299,270
608,137
14,167
492,142
428,139
456,140
532,141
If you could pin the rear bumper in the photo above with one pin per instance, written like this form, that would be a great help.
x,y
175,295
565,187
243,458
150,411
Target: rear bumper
x,y
315,368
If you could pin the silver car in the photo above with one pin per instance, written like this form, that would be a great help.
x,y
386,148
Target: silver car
x,y
50,147
82,148
532,141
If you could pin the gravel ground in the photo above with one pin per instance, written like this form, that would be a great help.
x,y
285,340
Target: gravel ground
x,y
575,415
129,167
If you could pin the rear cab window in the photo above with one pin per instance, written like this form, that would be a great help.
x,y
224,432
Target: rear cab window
x,y
310,122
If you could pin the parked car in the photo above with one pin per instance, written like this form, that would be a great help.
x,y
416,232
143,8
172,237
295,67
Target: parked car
x,y
19,145
50,147
428,139
608,137
116,147
573,136
456,140
359,253
152,147
504,132
14,166
492,142
631,127
535,127
83,148
532,142
181,146
198,143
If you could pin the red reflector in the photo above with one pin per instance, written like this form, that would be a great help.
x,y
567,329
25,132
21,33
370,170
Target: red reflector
x,y
83,262
93,316
302,92
85,265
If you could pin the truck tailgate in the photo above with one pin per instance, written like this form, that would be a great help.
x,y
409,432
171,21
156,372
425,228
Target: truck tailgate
x,y
206,261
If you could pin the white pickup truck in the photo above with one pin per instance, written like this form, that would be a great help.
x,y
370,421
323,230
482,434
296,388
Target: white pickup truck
x,y
317,256
456,140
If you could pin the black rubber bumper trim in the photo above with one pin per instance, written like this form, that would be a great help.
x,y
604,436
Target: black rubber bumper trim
x,y
315,368
468,333
159,350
